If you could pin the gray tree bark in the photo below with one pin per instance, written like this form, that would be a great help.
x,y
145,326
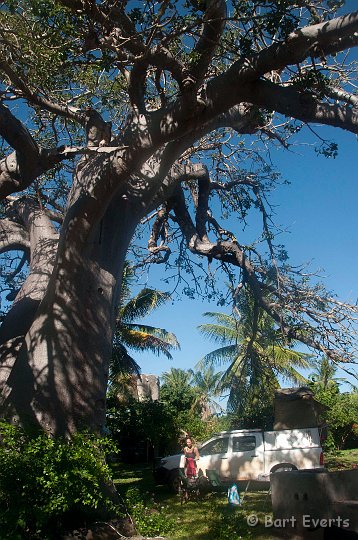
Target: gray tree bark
x,y
55,343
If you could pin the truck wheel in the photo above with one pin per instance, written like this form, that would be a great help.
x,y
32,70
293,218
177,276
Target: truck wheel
x,y
174,481
283,467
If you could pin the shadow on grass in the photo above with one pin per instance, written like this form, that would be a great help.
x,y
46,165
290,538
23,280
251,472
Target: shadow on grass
x,y
208,519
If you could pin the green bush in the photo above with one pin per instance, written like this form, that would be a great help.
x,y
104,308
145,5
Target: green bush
x,y
150,518
48,484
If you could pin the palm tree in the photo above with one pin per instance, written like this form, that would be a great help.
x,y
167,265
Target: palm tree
x,y
205,383
177,378
323,377
176,389
139,337
254,349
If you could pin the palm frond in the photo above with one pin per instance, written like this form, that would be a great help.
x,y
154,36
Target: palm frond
x,y
142,304
160,333
127,280
220,356
222,319
235,373
218,333
177,377
290,374
282,357
142,341
122,362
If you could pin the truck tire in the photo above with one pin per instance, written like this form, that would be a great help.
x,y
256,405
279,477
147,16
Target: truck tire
x,y
283,467
174,481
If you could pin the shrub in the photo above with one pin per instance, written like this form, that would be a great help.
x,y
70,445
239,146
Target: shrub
x,y
47,484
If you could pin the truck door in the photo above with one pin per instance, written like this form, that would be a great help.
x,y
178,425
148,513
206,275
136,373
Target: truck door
x,y
247,458
214,456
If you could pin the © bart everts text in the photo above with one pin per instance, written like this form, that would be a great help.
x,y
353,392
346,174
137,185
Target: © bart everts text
x,y
306,521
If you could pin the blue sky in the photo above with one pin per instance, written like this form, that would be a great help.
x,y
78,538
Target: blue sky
x,y
319,211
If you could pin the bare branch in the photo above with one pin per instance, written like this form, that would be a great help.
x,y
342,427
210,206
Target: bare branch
x,y
342,95
13,236
231,252
203,205
159,231
16,135
213,26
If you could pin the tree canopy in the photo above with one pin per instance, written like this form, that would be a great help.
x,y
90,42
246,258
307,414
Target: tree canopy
x,y
120,118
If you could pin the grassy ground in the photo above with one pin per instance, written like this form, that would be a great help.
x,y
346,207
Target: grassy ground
x,y
211,518
343,459
207,519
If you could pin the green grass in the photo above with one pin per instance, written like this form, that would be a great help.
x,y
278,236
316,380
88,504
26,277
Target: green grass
x,y
199,520
343,459
211,518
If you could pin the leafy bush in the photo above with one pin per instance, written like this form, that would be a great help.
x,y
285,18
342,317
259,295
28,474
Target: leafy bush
x,y
47,484
150,519
341,417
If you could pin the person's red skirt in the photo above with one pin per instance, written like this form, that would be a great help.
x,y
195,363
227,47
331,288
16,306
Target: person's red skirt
x,y
190,467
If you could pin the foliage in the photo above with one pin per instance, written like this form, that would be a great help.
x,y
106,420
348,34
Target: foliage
x,y
136,117
341,417
342,413
176,389
205,383
162,424
199,429
134,422
341,459
131,334
151,519
258,411
323,376
252,344
47,484
189,394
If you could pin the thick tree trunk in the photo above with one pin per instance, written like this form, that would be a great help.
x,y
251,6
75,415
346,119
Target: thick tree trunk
x,y
58,380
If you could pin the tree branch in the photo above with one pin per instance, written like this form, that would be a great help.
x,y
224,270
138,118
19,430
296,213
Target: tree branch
x,y
213,26
43,242
232,253
159,231
303,106
115,21
13,236
34,97
325,38
16,135
203,206
20,168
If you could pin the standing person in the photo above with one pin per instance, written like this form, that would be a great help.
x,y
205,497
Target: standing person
x,y
191,453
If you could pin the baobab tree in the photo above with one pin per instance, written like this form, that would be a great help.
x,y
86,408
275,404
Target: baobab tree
x,y
116,113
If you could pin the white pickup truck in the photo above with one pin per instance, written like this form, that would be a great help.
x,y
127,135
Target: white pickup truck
x,y
250,455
